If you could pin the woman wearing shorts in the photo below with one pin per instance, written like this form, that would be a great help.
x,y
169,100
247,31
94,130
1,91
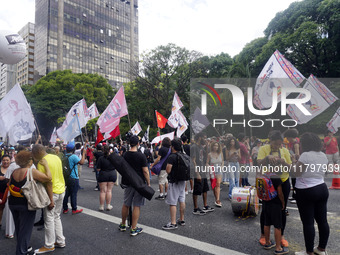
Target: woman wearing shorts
x,y
106,178
215,159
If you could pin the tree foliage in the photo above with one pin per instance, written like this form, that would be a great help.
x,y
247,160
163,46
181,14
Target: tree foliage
x,y
54,94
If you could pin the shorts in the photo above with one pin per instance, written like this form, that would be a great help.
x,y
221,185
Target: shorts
x,y
162,177
200,186
176,193
333,158
107,176
273,215
132,197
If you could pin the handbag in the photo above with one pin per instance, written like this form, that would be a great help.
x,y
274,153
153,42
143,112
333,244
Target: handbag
x,y
157,168
35,193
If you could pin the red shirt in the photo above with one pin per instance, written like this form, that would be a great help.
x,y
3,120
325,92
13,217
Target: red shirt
x,y
331,148
244,154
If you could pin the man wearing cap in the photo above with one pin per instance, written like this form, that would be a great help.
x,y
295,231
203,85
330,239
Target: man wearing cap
x,y
138,162
72,188
55,189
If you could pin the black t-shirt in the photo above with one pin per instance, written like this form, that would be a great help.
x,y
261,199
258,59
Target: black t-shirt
x,y
98,154
276,180
186,148
137,161
163,152
198,152
104,164
173,160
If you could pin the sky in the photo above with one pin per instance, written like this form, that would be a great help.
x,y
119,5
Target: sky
x,y
207,26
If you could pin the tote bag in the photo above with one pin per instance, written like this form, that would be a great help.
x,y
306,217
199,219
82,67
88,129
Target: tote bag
x,y
35,193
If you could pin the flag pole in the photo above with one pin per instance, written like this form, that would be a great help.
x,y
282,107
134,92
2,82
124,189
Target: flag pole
x,y
81,134
159,131
129,120
36,124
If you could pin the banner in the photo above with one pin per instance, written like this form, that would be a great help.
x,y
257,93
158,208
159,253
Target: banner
x,y
182,124
136,129
334,124
161,120
160,138
71,131
112,134
53,138
199,122
16,116
117,108
79,109
277,73
321,99
92,112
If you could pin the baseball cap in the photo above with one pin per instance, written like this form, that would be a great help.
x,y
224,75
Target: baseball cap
x,y
70,146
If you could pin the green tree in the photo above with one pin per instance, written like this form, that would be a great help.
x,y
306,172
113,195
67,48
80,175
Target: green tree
x,y
54,94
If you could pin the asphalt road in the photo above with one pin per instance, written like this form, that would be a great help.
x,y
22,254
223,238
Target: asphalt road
x,y
219,232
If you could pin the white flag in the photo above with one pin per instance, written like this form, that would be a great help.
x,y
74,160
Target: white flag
x,y
277,73
16,116
79,112
146,135
334,124
92,112
321,99
177,118
182,124
176,103
53,138
136,129
160,138
71,131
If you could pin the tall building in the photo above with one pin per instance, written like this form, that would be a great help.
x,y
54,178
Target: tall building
x,y
22,72
25,68
97,36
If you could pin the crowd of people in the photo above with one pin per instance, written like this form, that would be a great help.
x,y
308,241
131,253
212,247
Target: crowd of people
x,y
213,153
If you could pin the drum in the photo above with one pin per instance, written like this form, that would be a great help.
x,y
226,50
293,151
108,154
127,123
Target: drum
x,y
245,201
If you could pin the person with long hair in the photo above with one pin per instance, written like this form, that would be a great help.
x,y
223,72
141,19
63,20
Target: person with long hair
x,y
5,162
232,155
23,218
106,179
312,193
216,160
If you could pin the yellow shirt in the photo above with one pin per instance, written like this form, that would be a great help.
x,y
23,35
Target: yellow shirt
x,y
265,150
55,166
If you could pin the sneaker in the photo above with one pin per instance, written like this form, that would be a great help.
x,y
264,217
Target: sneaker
x,y
301,253
9,236
284,242
77,211
198,211
39,223
218,204
191,191
293,201
96,189
59,245
262,241
180,222
44,250
283,251
101,208
318,252
29,249
136,231
122,227
208,209
186,193
109,207
286,212
269,246
160,197
170,226
65,211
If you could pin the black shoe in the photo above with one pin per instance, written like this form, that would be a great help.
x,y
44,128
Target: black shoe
x,y
207,209
39,223
160,197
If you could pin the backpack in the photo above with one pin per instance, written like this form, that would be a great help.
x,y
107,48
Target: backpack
x,y
265,188
183,167
66,169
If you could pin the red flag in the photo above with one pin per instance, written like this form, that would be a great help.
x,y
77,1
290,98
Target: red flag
x,y
100,137
161,120
115,132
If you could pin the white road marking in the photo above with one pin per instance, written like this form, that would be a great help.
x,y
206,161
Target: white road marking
x,y
87,180
189,242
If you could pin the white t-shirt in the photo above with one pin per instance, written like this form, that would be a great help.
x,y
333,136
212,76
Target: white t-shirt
x,y
315,172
